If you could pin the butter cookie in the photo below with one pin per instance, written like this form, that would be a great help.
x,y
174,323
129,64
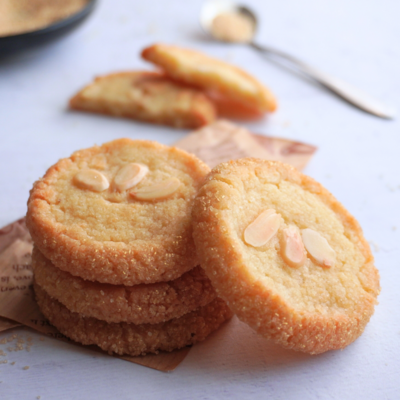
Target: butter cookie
x,y
146,96
210,74
285,255
139,304
123,338
119,213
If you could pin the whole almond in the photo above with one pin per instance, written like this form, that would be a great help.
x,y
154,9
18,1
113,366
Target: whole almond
x,y
318,248
92,180
292,247
158,191
263,228
129,176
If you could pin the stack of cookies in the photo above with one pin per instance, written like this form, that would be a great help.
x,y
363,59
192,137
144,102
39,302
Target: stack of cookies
x,y
118,230
114,261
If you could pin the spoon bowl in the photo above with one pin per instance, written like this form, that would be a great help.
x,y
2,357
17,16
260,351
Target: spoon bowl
x,y
213,8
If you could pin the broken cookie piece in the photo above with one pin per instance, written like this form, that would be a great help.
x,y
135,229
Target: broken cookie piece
x,y
212,75
146,96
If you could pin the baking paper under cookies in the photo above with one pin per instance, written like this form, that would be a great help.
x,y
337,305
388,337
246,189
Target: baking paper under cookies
x,y
223,141
6,324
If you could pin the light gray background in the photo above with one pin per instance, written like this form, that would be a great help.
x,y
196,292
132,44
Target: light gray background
x,y
357,160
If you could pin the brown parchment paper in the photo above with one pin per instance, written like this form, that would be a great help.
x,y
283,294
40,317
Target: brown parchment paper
x,y
221,141
7,235
6,324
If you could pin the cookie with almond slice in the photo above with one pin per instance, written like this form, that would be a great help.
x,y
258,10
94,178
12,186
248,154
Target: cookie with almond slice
x,y
287,257
146,96
110,213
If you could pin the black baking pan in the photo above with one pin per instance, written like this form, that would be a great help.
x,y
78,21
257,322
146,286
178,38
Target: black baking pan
x,y
16,43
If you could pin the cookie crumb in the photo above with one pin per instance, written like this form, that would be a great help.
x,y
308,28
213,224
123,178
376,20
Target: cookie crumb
x,y
11,338
26,367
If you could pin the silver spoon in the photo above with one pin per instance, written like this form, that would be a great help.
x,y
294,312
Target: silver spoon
x,y
211,9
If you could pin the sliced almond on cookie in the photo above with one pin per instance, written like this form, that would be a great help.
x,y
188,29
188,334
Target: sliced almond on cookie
x,y
157,191
92,180
263,228
129,176
292,247
318,248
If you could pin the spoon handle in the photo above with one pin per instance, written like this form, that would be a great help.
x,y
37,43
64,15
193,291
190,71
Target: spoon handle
x,y
347,92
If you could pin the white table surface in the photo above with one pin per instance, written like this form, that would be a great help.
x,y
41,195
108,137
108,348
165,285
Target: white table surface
x,y
357,160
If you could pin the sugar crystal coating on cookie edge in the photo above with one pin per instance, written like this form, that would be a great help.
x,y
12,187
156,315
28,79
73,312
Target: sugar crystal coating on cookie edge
x,y
134,340
307,307
138,304
86,225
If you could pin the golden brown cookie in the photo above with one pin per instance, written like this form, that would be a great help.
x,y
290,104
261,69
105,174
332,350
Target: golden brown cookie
x,y
285,254
139,304
124,338
146,96
118,213
200,70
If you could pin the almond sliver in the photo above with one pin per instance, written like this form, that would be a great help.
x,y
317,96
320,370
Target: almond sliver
x,y
263,228
318,248
157,191
92,180
292,247
129,176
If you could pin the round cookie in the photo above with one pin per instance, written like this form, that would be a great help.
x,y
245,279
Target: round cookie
x,y
287,257
139,304
124,338
118,213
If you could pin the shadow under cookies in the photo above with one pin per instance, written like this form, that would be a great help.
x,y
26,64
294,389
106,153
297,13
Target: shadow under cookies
x,y
236,349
